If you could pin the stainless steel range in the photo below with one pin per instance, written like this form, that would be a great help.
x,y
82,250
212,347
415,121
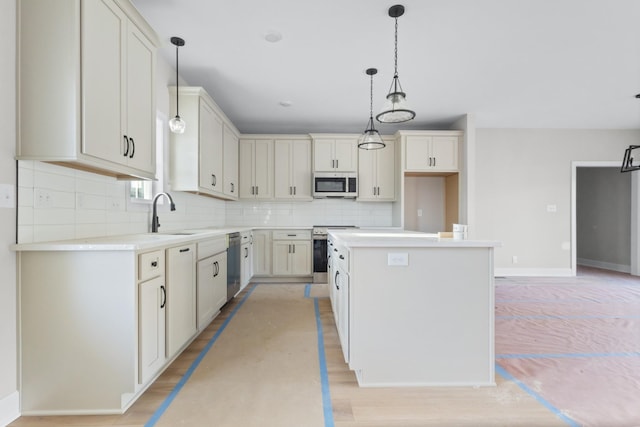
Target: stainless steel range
x,y
320,250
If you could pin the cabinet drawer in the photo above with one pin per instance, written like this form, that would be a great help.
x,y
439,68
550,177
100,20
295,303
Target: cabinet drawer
x,y
212,247
245,237
292,235
150,264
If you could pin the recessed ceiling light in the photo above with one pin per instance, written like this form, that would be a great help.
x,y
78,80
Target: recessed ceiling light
x,y
286,103
273,36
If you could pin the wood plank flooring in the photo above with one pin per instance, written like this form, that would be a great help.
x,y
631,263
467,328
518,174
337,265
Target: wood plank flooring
x,y
503,405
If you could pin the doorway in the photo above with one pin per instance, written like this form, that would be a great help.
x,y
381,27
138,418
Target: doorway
x,y
603,218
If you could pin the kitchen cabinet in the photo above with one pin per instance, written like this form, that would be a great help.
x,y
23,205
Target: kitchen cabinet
x,y
292,253
97,93
262,252
292,170
230,166
181,297
197,154
211,279
377,173
246,253
341,296
256,168
152,299
335,153
430,151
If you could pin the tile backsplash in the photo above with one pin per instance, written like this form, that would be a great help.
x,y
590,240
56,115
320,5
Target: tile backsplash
x,y
58,203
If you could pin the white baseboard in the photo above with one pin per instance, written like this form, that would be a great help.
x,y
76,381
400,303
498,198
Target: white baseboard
x,y
9,408
537,272
606,265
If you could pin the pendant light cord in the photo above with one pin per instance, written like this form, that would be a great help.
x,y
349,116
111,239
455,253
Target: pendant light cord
x,y
177,86
371,101
396,51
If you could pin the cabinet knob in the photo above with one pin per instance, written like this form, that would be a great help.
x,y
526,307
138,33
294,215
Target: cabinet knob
x,y
133,148
154,263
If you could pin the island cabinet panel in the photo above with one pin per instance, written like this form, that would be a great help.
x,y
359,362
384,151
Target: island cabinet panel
x,y
86,71
438,324
79,331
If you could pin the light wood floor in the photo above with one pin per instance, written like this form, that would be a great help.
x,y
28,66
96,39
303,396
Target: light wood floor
x,y
503,405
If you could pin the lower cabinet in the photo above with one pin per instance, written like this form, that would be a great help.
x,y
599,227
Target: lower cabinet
x,y
181,297
246,252
292,253
212,287
262,252
151,317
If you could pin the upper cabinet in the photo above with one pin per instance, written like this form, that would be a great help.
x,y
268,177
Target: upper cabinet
x,y
292,170
256,171
230,166
85,84
196,162
431,151
335,153
377,173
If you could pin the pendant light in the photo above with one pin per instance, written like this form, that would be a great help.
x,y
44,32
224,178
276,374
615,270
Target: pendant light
x,y
395,109
176,124
371,139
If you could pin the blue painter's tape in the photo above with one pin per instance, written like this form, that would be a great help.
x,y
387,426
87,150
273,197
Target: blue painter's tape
x,y
165,405
324,377
566,355
307,290
506,375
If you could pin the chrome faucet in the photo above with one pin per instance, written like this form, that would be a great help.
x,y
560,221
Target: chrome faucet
x,y
155,223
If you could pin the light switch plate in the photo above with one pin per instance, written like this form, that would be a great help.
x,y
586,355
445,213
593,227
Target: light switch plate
x,y
397,258
7,196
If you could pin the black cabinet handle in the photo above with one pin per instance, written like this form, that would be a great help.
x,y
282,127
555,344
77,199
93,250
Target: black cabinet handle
x,y
126,144
133,148
154,263
216,269
213,180
341,257
246,252
184,250
335,249
233,187
164,296
335,280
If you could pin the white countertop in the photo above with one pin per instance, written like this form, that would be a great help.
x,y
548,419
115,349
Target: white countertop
x,y
401,238
129,242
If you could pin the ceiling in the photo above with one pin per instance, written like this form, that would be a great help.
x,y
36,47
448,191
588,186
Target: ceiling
x,y
513,63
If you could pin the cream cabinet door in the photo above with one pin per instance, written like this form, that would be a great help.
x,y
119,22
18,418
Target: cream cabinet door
x,y
418,152
103,81
386,172
281,257
263,177
367,179
262,252
346,155
444,150
292,169
323,155
301,259
230,166
141,120
283,165
181,297
210,149
151,315
246,164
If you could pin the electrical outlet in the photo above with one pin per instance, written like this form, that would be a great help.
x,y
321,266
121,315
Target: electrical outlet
x,y
514,259
419,212
552,208
397,258
7,196
43,199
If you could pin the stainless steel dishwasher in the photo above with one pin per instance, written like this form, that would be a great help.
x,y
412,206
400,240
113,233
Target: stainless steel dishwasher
x,y
233,265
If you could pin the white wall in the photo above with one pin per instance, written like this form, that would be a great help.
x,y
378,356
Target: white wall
x,y
603,226
426,194
8,315
519,173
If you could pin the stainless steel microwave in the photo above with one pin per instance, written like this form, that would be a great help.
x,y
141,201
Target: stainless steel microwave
x,y
335,184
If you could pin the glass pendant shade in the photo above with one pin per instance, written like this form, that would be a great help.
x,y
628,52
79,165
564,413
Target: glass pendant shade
x,y
396,109
177,125
371,139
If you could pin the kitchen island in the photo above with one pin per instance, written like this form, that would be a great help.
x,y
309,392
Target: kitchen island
x,y
413,309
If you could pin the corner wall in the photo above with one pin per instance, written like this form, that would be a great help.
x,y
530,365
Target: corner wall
x,y
522,175
9,400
